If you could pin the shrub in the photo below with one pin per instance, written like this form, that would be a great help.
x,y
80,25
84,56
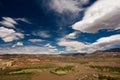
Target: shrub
x,y
107,68
101,77
62,70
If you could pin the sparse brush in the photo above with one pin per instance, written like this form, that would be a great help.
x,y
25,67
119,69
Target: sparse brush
x,y
84,62
20,70
102,77
107,68
62,70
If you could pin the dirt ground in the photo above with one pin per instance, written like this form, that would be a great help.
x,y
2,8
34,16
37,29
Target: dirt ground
x,y
81,68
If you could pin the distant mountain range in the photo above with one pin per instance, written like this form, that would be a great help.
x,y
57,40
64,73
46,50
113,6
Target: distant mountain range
x,y
73,54
98,53
114,52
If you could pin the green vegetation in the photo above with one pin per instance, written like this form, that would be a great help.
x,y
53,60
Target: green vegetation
x,y
107,68
66,68
16,77
62,70
101,77
84,62
24,70
35,67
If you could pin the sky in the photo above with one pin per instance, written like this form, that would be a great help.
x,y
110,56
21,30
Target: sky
x,y
58,26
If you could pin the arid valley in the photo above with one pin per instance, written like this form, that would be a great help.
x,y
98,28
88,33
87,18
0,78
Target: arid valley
x,y
95,66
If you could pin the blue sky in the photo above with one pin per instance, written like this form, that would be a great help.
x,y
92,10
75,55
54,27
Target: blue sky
x,y
58,26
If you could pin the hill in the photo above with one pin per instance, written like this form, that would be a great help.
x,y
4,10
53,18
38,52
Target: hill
x,y
114,52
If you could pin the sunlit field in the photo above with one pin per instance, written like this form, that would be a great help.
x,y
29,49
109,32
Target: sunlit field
x,y
47,67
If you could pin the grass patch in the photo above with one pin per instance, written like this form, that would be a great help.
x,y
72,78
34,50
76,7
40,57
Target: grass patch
x,y
107,68
102,77
16,77
36,67
13,71
62,70
24,70
84,62
19,72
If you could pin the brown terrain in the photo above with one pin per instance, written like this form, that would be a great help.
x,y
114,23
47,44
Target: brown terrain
x,y
96,66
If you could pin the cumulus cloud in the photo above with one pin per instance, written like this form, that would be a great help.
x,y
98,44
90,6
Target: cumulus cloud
x,y
101,44
73,6
50,46
8,22
29,50
18,44
105,42
8,35
71,46
71,35
103,14
61,5
35,40
43,34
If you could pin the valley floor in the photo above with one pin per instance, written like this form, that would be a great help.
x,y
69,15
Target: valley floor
x,y
59,68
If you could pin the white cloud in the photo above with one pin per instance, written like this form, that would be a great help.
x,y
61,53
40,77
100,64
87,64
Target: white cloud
x,y
71,35
73,6
101,44
50,46
43,34
105,42
29,50
71,46
23,20
20,48
8,19
84,1
35,40
61,5
8,22
18,44
11,22
103,14
8,35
